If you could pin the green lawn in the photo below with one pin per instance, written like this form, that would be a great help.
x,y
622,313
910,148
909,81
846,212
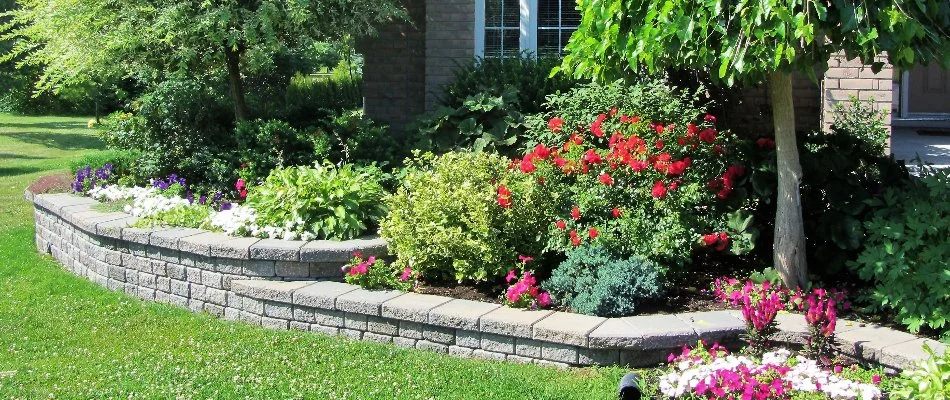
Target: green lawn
x,y
64,337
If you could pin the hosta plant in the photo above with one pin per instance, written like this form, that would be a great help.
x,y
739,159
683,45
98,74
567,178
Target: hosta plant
x,y
929,379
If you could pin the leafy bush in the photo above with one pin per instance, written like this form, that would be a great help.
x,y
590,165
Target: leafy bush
x,y
264,145
592,281
123,162
906,252
357,139
187,216
311,99
332,202
862,121
930,379
375,273
484,121
650,100
528,75
465,216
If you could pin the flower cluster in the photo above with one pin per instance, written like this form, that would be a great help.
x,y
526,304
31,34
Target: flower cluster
x,y
759,310
87,179
716,374
718,241
374,273
821,316
524,292
170,183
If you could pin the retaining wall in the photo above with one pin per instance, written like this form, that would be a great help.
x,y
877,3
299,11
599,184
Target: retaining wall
x,y
290,285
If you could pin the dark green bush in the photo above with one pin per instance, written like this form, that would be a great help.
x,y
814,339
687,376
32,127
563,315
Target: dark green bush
x,y
265,145
311,99
592,281
483,122
354,138
445,219
906,254
526,73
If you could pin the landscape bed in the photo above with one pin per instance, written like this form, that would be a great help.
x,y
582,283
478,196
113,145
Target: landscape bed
x,y
293,285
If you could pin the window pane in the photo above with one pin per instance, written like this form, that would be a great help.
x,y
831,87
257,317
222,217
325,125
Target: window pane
x,y
548,13
492,43
566,37
570,16
512,42
548,44
492,12
512,13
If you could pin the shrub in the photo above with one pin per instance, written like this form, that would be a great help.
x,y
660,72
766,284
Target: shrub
x,y
264,145
311,99
484,121
124,163
906,252
528,75
860,120
465,216
592,281
356,139
927,380
336,203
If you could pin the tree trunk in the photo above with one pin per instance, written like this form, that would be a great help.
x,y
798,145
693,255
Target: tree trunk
x,y
237,84
789,248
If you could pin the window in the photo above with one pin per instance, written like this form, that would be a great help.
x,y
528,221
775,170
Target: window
x,y
507,27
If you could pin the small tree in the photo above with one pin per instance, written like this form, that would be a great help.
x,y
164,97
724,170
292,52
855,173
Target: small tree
x,y
79,40
754,42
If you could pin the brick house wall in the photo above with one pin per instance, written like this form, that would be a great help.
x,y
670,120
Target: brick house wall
x,y
846,78
751,113
450,42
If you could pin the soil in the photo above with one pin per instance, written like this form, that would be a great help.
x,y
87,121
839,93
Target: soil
x,y
56,183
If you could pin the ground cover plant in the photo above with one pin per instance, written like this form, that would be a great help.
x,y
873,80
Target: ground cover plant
x,y
60,330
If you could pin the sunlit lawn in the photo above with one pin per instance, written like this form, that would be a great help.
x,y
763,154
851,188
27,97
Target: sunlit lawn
x,y
64,337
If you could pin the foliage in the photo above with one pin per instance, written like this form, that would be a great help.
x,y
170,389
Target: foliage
x,y
929,379
185,216
527,74
862,121
484,122
312,99
592,281
357,139
123,163
445,219
375,273
264,145
906,252
640,187
332,202
651,99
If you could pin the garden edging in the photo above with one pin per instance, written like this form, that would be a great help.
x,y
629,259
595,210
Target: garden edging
x,y
291,285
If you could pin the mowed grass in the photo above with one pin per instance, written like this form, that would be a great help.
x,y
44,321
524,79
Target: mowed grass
x,y
62,336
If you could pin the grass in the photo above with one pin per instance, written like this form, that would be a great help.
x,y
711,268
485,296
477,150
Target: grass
x,y
62,336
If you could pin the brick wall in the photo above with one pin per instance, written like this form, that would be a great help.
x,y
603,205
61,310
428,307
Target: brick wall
x,y
750,110
846,78
394,72
450,42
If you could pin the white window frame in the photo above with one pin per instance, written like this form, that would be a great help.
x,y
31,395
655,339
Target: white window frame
x,y
528,26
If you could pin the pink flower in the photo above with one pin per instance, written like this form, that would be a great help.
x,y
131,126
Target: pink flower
x,y
240,184
511,276
554,124
525,259
544,299
837,369
876,379
406,273
606,179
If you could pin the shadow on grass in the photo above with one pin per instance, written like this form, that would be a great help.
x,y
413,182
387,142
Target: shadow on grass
x,y
59,141
55,125
8,156
14,171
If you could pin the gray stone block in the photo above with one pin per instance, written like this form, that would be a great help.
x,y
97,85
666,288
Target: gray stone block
x,y
252,305
382,325
511,321
147,280
354,321
367,302
136,235
211,279
662,331
117,273
238,248
908,354
489,355
232,314
180,288
214,309
326,330
519,359
468,338
193,275
528,348
228,266
615,333
352,333
714,325
168,239
278,310
304,314
412,330
567,328
175,271
432,346
262,268
268,290
439,334
331,318
598,356
412,306
552,364
292,269
459,351
331,270
559,353
275,249
323,251
178,300
163,283
216,296
145,293
375,337
201,243
868,342
274,323
461,314
404,342
322,294
497,343
250,318
299,326
792,328
113,228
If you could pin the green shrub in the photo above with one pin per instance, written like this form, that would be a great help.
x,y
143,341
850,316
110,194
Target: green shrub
x,y
528,75
124,164
651,100
906,252
184,216
311,99
357,139
592,281
265,145
862,121
336,203
446,221
484,121
929,379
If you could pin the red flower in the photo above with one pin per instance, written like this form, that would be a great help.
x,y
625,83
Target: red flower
x,y
576,241
592,157
616,212
674,185
613,111
540,151
708,135
560,225
595,128
718,149
606,179
765,143
240,184
659,190
576,213
723,241
677,167
710,239
638,165
659,145
692,130
243,193
554,124
592,232
560,162
659,128
710,118
527,166
504,197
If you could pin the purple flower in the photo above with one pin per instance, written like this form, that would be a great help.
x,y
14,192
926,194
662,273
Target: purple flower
x,y
190,197
217,197
202,200
225,206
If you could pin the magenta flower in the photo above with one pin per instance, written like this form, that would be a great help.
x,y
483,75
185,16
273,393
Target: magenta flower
x,y
406,273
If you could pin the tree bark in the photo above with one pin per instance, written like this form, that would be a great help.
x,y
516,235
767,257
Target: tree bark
x,y
237,84
789,248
